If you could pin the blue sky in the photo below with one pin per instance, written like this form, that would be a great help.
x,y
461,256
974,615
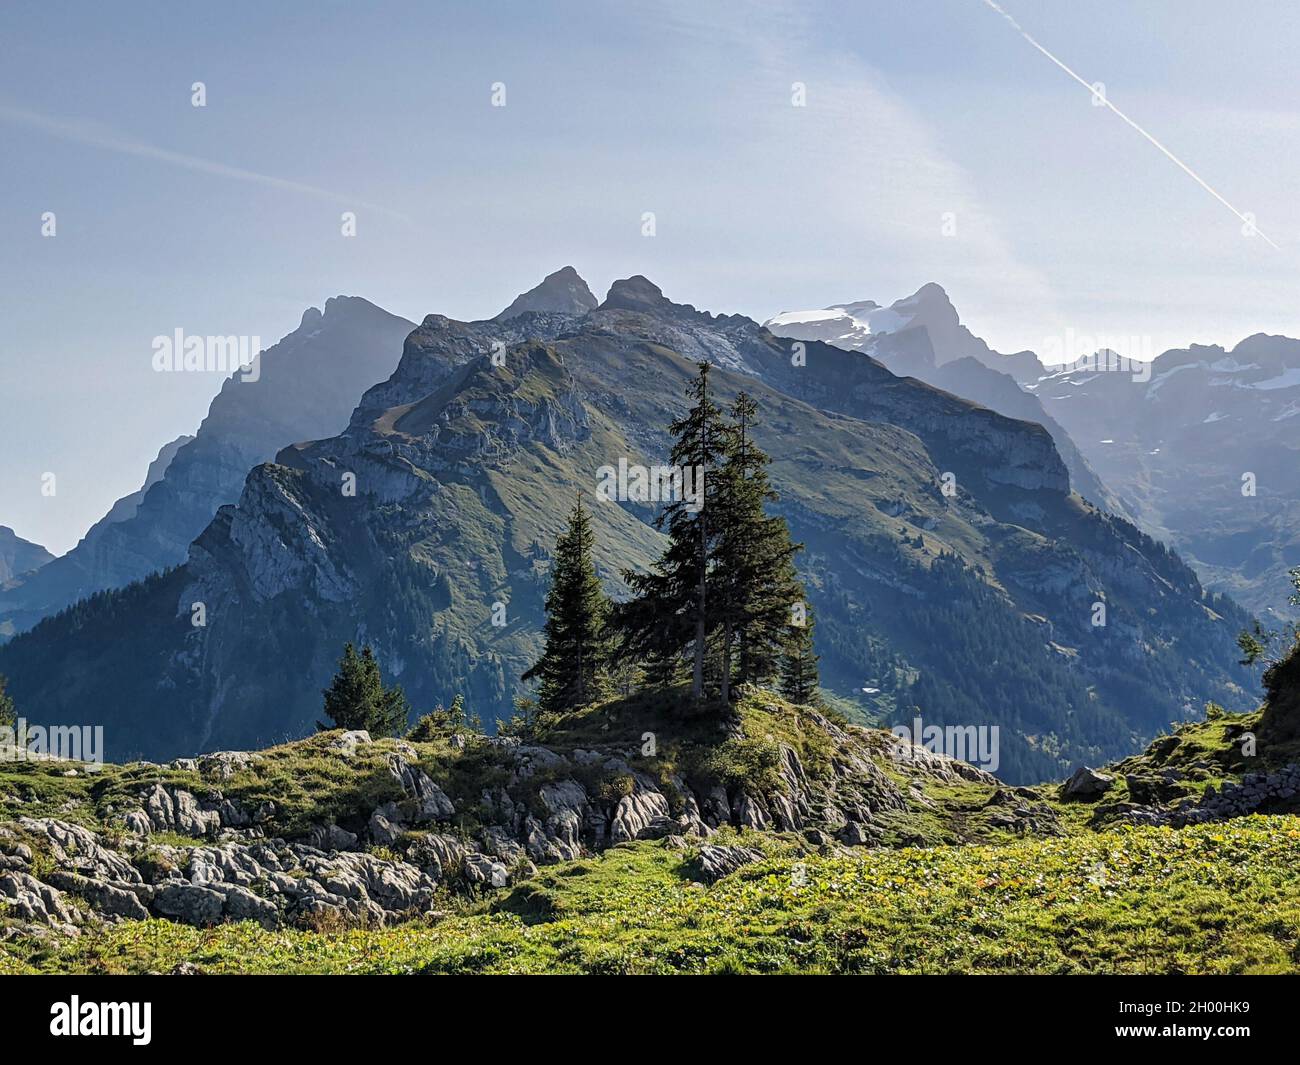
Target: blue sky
x,y
225,219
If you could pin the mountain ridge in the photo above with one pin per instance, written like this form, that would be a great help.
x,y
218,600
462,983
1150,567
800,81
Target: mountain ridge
x,y
458,461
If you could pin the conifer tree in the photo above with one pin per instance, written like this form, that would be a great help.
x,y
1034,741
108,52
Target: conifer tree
x,y
799,679
575,664
756,579
357,698
671,613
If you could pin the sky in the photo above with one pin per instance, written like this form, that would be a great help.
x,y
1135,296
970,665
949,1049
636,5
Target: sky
x,y
935,143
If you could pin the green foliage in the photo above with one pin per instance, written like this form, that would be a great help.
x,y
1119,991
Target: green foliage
x,y
757,589
8,714
528,723
357,698
799,666
443,722
749,763
574,667
671,613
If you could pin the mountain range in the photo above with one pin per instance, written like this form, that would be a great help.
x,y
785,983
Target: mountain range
x,y
1203,448
1197,447
305,386
953,570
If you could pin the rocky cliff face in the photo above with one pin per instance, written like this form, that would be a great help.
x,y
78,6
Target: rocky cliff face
x,y
306,388
948,563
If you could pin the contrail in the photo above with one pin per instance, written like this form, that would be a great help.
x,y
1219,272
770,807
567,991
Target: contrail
x,y
98,136
1165,151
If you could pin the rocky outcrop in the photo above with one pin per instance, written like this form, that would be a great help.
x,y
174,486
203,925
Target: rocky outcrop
x,y
189,852
1154,799
717,862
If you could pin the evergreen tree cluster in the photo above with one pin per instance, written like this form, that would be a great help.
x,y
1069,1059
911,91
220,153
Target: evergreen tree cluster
x,y
724,599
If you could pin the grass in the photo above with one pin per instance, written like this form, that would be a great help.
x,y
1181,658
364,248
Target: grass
x,y
1211,899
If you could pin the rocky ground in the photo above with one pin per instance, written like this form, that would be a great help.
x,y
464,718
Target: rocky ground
x,y
1228,766
342,830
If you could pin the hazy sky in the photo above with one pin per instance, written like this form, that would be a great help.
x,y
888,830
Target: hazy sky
x,y
226,219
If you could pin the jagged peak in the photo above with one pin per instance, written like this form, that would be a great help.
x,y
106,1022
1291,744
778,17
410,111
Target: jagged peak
x,y
561,292
337,308
928,305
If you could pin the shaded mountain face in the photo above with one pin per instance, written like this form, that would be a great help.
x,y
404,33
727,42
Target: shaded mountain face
x,y
1202,446
952,572
127,506
562,292
307,386
19,556
921,336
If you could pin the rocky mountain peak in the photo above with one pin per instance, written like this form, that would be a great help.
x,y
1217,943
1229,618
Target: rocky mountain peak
x,y
18,555
563,292
635,293
929,307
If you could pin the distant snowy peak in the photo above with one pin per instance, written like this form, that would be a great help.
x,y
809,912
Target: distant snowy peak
x,y
1259,363
891,333
864,320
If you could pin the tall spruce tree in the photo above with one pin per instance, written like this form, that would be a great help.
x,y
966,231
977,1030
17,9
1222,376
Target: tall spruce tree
x,y
799,679
758,587
357,698
671,613
574,666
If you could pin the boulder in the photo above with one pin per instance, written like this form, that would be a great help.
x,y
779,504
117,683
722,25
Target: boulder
x,y
1087,783
716,862
482,871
